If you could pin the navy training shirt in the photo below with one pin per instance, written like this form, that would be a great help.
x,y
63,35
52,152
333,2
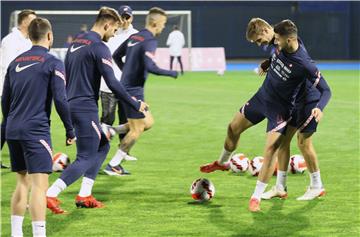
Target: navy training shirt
x,y
87,59
33,79
139,50
310,91
287,75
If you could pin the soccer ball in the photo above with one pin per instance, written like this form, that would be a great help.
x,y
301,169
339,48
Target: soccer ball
x,y
297,164
239,163
255,165
202,190
60,162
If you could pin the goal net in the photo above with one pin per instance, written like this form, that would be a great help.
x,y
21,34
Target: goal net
x,y
67,23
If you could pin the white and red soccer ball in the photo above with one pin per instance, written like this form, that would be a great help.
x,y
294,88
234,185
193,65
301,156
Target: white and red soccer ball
x,y
239,163
202,190
297,164
255,165
60,161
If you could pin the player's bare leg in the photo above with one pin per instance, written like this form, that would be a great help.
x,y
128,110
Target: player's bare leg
x,y
273,141
136,128
316,188
19,202
37,203
237,126
283,156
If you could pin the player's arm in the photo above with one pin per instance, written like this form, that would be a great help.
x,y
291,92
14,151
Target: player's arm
x,y
5,98
104,63
57,85
320,84
119,53
149,56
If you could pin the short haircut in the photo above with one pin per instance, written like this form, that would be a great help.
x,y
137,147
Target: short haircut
x,y
286,28
38,29
255,27
153,14
24,14
107,14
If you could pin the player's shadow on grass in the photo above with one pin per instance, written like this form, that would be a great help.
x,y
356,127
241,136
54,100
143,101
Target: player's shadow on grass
x,y
204,204
59,223
277,223
271,223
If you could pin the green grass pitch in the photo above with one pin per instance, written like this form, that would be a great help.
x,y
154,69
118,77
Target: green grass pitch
x,y
191,116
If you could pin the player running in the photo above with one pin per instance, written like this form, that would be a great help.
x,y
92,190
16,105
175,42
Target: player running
x,y
140,53
87,59
261,33
289,67
32,80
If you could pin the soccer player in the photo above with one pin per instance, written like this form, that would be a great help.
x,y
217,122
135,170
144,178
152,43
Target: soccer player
x,y
32,80
139,50
289,67
87,59
108,99
261,33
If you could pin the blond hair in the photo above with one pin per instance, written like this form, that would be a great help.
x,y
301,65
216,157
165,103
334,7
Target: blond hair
x,y
106,14
154,14
255,27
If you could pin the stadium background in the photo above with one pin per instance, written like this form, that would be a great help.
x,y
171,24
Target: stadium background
x,y
191,116
323,25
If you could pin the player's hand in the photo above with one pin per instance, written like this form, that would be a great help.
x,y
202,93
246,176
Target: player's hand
x,y
264,67
261,72
143,106
70,141
317,113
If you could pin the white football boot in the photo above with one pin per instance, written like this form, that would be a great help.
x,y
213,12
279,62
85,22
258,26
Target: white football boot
x,y
275,191
130,158
312,193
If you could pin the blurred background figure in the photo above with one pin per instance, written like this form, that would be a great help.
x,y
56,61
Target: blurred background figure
x,y
68,41
83,30
176,42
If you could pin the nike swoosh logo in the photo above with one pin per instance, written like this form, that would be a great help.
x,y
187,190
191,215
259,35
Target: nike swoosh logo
x,y
72,49
131,44
19,69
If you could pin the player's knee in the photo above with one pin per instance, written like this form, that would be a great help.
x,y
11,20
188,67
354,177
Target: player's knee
x,y
149,123
303,144
134,134
271,148
23,180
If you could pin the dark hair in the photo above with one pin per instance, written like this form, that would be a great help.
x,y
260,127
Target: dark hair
x,y
38,29
175,27
24,14
107,13
286,28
